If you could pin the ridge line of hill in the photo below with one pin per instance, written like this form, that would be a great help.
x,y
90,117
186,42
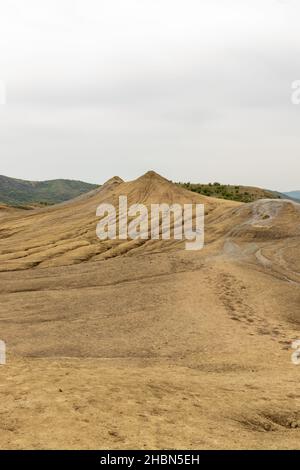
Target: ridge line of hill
x,y
23,193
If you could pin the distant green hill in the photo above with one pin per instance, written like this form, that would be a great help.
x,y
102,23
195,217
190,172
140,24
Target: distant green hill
x,y
235,193
16,192
293,194
20,192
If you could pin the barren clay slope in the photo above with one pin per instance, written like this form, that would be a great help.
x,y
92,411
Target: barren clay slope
x,y
147,345
66,233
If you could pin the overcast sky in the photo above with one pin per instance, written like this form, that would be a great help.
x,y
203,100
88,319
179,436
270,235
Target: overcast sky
x,y
198,90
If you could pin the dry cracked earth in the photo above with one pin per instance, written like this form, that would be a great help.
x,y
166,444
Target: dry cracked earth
x,y
142,344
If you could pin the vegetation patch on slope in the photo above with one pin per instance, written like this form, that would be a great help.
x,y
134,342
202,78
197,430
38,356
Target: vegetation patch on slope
x,y
232,192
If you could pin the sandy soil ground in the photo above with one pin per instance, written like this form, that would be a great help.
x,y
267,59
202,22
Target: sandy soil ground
x,y
127,345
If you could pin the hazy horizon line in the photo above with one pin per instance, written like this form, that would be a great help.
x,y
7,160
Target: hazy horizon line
x,y
159,173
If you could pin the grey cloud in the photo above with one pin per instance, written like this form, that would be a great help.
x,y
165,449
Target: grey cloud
x,y
186,91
